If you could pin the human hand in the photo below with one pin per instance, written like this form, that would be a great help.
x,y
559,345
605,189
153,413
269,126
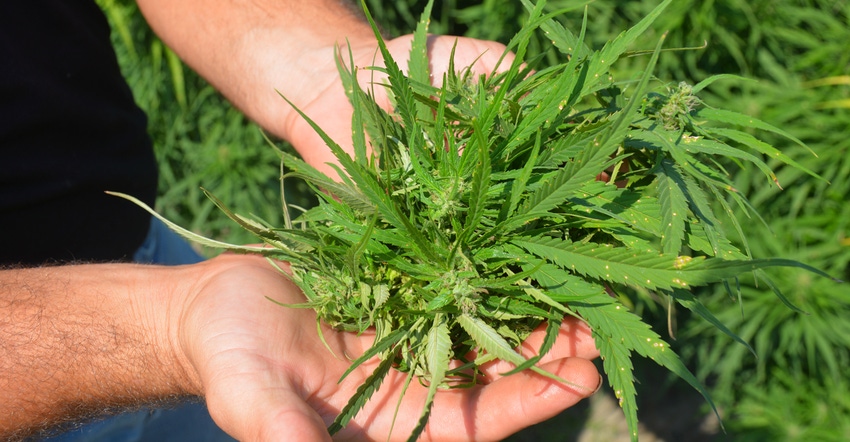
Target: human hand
x,y
266,375
328,106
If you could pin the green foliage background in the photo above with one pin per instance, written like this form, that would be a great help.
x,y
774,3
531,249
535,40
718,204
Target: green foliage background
x,y
797,52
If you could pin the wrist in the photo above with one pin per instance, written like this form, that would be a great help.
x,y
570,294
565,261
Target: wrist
x,y
195,310
163,317
142,303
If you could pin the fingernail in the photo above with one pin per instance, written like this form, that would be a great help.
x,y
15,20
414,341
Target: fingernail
x,y
598,386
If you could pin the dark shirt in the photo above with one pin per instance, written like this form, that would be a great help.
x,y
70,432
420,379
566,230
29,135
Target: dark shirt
x,y
69,130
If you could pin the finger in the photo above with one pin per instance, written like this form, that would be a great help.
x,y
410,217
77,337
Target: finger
x,y
497,410
575,339
252,412
480,56
295,421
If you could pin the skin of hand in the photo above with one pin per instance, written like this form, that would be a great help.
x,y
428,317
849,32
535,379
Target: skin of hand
x,y
267,376
483,57
79,340
256,51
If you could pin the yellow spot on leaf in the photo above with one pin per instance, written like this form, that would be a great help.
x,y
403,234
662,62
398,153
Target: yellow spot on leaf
x,y
681,261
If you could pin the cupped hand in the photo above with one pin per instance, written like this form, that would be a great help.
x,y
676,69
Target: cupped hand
x,y
328,105
266,375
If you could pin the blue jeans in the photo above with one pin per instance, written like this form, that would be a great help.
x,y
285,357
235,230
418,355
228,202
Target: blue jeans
x,y
187,422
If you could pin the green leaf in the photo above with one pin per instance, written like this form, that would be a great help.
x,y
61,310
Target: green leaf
x,y
561,37
480,185
629,267
714,148
617,363
674,206
348,193
517,185
730,117
261,231
618,331
616,47
400,84
510,307
419,64
596,156
491,341
361,396
567,180
553,329
689,301
496,346
629,208
708,81
709,224
379,347
360,104
761,147
437,353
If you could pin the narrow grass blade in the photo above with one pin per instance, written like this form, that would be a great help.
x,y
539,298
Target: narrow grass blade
x,y
692,303
192,236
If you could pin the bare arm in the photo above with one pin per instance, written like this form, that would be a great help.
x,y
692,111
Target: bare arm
x,y
248,49
77,341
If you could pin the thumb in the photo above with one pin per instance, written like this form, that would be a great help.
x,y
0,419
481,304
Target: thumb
x,y
537,398
271,416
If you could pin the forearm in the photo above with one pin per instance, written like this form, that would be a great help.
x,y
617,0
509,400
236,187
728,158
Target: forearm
x,y
251,49
79,341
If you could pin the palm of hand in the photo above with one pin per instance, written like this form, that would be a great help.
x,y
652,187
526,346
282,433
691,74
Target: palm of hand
x,y
266,375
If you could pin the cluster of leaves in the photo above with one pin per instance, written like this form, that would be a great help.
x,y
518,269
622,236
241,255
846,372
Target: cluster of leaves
x,y
795,52
474,212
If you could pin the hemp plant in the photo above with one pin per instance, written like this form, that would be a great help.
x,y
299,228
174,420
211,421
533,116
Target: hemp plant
x,y
474,212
